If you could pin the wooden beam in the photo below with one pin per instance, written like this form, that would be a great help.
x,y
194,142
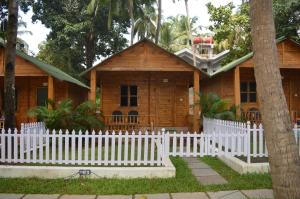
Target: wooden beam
x,y
196,117
50,88
237,90
93,86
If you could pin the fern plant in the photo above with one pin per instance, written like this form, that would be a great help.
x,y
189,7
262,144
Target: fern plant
x,y
212,106
65,116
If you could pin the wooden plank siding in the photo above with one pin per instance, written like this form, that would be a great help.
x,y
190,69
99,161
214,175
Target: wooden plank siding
x,y
226,87
28,79
162,78
162,97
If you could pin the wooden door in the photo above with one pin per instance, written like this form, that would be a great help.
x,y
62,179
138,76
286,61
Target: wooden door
x,y
165,105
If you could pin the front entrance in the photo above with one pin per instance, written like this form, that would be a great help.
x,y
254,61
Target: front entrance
x,y
165,105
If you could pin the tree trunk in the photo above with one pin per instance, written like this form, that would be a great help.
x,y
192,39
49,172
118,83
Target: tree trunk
x,y
190,36
90,49
158,22
283,151
130,10
10,62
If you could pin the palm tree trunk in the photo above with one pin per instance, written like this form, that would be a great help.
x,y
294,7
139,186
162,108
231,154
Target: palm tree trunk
x,y
130,10
10,62
158,22
283,151
190,31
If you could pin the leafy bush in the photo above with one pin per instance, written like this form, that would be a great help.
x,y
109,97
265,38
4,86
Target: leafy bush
x,y
66,116
212,106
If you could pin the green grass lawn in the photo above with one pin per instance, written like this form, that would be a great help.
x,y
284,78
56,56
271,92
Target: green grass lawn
x,y
235,180
183,182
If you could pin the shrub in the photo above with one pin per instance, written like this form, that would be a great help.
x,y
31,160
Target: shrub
x,y
65,116
212,106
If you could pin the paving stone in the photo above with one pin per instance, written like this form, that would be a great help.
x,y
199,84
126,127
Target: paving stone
x,y
152,196
115,197
191,160
259,193
196,195
39,196
10,196
204,172
198,165
209,180
78,197
235,194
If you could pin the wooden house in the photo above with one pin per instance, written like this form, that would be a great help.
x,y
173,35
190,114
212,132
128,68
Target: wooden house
x,y
145,87
236,82
36,82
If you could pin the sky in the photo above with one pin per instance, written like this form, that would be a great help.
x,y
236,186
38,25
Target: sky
x,y
196,8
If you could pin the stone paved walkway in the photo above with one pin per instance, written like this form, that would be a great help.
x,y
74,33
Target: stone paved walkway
x,y
233,194
204,174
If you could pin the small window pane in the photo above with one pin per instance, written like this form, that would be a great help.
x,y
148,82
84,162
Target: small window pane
x,y
133,90
252,86
244,97
243,86
124,90
124,101
42,96
133,101
252,97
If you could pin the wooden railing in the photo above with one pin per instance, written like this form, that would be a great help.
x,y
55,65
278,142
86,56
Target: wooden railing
x,y
128,122
252,116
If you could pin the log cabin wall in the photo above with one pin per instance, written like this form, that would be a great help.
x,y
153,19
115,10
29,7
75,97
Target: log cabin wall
x,y
162,96
29,78
289,57
222,85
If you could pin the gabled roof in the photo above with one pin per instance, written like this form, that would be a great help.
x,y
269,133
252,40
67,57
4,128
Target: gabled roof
x,y
49,69
236,62
132,46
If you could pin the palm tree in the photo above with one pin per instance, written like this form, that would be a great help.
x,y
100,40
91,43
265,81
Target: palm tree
x,y
158,22
10,62
282,148
144,26
174,33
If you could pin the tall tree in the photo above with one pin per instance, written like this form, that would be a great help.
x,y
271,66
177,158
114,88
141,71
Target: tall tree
x,y
79,32
130,10
158,24
144,26
10,62
283,151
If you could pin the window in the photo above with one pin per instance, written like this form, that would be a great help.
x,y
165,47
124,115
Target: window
x,y
42,96
128,95
248,92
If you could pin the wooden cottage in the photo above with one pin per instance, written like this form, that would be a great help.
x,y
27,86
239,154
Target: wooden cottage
x,y
36,82
236,82
145,87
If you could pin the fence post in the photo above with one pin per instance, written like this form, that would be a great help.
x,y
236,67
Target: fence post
x,y
248,142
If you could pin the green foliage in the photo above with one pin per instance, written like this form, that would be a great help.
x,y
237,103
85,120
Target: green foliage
x,y
212,106
65,116
287,18
145,26
80,36
231,29
174,33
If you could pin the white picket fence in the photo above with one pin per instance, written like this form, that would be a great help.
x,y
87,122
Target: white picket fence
x,y
33,128
82,148
254,144
131,149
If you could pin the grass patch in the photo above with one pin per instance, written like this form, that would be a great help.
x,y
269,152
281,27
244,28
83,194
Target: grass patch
x,y
236,180
183,182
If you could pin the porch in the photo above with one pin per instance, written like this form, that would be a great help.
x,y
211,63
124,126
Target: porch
x,y
246,96
146,100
